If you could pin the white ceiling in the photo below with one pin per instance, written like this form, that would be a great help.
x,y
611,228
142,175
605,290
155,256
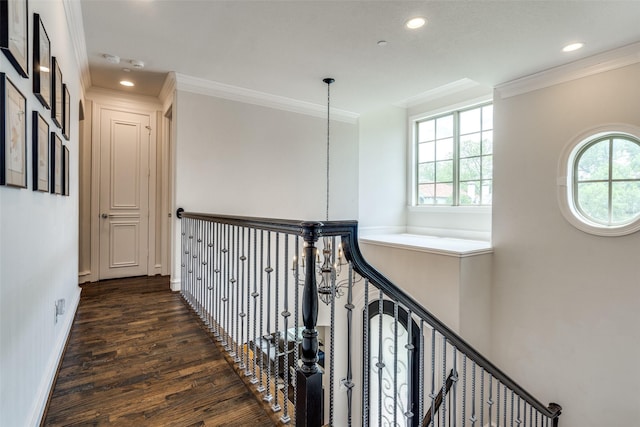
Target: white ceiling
x,y
285,48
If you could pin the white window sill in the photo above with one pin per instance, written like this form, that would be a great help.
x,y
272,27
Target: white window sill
x,y
448,246
451,209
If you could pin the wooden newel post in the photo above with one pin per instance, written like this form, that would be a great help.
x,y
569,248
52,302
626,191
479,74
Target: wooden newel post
x,y
308,376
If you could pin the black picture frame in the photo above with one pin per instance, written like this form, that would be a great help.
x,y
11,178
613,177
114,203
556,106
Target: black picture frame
x,y
41,62
66,112
13,135
65,171
56,93
40,152
14,34
56,164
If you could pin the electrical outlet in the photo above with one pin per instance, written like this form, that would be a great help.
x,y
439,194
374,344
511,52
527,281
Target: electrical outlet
x,y
59,309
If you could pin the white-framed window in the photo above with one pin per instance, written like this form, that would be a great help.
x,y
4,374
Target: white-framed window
x,y
454,158
601,189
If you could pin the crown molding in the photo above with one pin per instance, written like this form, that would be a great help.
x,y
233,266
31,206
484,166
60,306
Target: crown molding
x,y
73,13
438,93
123,100
235,93
606,61
168,88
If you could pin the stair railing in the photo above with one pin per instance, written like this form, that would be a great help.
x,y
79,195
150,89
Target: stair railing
x,y
243,277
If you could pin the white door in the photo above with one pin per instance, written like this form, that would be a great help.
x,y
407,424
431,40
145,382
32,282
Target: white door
x,y
124,193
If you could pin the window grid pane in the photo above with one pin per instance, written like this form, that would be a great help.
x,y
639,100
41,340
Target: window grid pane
x,y
455,158
606,176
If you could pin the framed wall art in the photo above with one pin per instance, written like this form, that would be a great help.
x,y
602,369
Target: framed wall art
x,y
65,171
56,93
41,62
40,152
56,164
13,139
66,112
14,34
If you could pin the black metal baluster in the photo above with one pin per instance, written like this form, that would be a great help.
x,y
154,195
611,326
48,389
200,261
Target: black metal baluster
x,y
217,294
332,334
261,387
241,286
410,361
227,284
236,300
285,318
268,335
444,380
276,332
348,382
294,379
366,357
395,362
255,295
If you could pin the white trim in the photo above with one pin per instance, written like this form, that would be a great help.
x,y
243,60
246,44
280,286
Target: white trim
x,y
564,182
464,105
454,233
392,229
235,93
451,209
46,384
438,93
84,277
119,100
607,61
458,248
73,12
175,285
167,91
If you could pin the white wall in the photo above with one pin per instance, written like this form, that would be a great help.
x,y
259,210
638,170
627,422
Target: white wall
x,y
38,250
241,159
383,170
455,289
565,303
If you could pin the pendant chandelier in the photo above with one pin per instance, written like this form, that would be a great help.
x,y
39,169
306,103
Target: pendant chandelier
x,y
328,269
328,286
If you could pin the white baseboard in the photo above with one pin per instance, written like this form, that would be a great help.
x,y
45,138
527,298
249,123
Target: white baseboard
x,y
175,285
42,396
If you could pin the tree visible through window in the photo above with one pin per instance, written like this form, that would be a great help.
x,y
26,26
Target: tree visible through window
x,y
606,180
455,158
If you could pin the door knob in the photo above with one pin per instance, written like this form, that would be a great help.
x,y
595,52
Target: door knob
x,y
104,216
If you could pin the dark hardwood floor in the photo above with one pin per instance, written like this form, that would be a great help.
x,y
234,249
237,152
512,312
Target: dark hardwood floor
x,y
136,356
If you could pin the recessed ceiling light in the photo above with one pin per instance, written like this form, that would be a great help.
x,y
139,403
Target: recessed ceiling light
x,y
382,43
415,23
126,83
571,47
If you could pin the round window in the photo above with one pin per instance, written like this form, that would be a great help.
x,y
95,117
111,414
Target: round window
x,y
603,184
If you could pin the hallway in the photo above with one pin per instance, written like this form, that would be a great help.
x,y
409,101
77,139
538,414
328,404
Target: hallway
x,y
137,356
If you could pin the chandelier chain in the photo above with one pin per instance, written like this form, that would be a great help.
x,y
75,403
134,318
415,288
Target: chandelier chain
x,y
328,82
